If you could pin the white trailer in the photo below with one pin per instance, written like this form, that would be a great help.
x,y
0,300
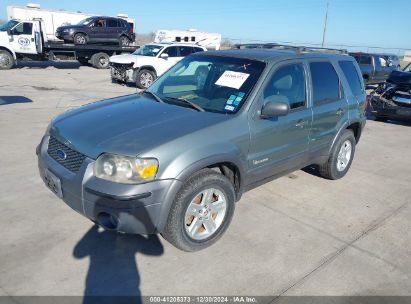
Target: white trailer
x,y
52,19
208,40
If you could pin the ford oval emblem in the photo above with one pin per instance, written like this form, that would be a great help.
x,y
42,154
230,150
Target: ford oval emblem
x,y
61,154
24,41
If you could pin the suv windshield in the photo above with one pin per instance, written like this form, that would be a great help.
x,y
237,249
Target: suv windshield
x,y
148,50
8,25
216,84
85,21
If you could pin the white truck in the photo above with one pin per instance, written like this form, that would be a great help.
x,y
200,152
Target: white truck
x,y
211,41
52,19
26,39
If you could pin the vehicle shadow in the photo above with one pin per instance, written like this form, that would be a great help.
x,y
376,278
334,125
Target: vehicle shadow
x,y
5,100
64,64
113,274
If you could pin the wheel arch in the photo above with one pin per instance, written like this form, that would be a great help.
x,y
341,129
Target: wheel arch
x,y
226,164
355,126
147,67
10,51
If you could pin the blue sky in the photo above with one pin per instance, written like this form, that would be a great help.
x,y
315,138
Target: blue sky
x,y
351,22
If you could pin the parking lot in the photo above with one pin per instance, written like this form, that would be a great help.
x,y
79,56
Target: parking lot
x,y
298,235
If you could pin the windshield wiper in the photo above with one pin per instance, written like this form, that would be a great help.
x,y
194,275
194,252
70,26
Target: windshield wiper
x,y
192,104
158,99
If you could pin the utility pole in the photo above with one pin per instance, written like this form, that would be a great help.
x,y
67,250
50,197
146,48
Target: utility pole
x,y
325,23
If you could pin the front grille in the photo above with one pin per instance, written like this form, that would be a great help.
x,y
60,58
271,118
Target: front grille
x,y
73,159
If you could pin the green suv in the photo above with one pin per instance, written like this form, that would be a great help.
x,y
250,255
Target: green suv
x,y
176,158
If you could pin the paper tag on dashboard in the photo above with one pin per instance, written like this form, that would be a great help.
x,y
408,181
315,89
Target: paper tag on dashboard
x,y
232,79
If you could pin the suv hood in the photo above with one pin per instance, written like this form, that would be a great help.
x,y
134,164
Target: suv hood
x,y
138,60
127,125
400,77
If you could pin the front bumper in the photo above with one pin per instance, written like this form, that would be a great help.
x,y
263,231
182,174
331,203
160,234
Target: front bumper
x,y
125,208
122,72
66,36
381,107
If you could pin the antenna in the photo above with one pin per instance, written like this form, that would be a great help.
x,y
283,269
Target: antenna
x,y
325,23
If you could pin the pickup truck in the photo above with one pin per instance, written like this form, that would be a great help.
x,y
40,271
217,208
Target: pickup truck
x,y
25,39
175,158
375,68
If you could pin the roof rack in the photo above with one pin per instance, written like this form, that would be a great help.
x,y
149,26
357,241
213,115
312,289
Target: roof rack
x,y
300,49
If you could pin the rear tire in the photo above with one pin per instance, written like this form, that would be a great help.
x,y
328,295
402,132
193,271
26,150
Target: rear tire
x,y
80,39
201,212
6,60
100,60
341,156
145,78
124,41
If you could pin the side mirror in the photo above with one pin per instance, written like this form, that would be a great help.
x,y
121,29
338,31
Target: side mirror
x,y
164,56
274,109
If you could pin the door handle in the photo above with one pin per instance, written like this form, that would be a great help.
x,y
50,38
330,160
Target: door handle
x,y
301,123
340,112
32,39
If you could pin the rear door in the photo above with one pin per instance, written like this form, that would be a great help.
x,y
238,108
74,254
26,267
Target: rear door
x,y
112,29
330,105
22,38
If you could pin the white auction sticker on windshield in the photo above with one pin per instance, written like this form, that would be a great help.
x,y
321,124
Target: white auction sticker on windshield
x,y
232,79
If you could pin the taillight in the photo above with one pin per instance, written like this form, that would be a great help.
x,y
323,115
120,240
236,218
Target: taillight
x,y
366,103
131,29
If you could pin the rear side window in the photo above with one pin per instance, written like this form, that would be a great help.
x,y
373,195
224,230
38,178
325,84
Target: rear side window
x,y
112,23
185,50
326,85
365,60
351,74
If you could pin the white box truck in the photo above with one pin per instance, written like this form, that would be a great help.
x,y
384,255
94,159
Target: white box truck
x,y
52,19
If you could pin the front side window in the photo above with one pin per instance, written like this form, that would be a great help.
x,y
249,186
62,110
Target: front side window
x,y
148,50
217,84
100,23
287,85
24,28
325,82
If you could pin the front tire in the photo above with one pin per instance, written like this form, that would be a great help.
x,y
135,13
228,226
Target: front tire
x,y
6,60
340,159
145,78
201,212
80,39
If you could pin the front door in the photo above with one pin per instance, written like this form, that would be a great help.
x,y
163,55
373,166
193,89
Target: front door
x,y
23,39
279,144
172,59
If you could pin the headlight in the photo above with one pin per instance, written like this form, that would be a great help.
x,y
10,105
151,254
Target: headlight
x,y
125,169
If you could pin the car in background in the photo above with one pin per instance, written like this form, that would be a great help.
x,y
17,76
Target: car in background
x,y
375,68
393,60
98,30
149,62
392,99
